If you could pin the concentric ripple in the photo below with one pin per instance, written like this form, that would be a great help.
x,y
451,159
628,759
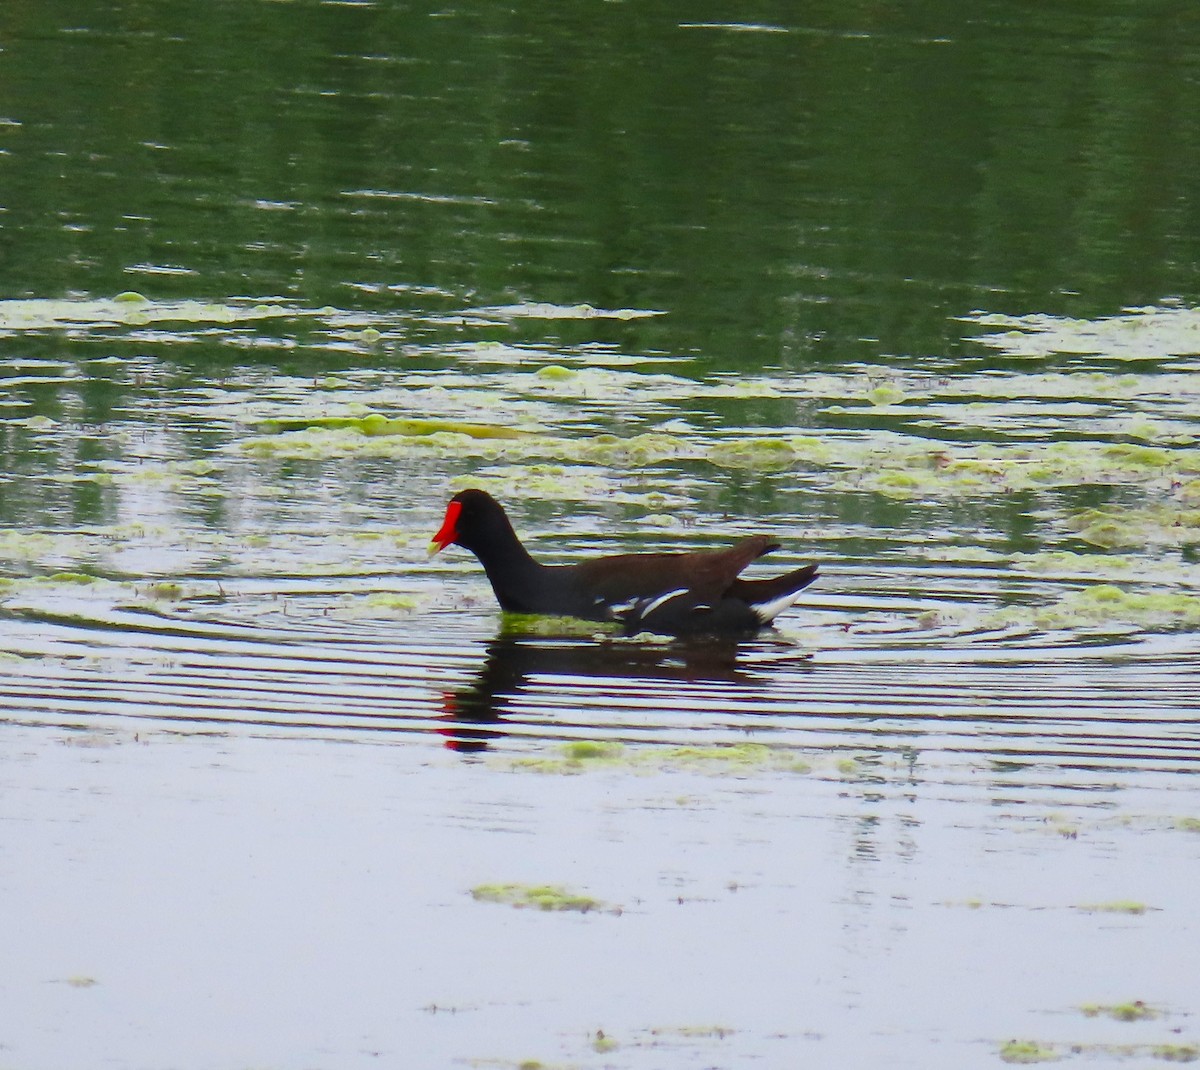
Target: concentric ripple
x,y
879,685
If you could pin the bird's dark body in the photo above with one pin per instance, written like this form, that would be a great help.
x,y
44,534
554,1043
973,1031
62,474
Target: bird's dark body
x,y
673,593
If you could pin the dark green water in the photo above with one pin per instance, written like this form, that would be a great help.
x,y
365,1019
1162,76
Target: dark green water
x,y
843,190
913,287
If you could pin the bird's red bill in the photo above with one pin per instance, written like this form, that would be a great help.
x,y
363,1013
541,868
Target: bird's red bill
x,y
449,529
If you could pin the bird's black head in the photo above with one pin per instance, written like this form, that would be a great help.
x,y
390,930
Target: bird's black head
x,y
474,519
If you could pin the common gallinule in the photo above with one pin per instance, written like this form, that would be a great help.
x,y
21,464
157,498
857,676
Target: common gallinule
x,y
672,593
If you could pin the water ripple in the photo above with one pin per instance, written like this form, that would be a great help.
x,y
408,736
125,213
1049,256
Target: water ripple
x,y
1098,707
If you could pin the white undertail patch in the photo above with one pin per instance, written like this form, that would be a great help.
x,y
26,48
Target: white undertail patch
x,y
768,611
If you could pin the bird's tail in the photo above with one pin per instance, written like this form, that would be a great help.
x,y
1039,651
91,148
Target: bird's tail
x,y
769,598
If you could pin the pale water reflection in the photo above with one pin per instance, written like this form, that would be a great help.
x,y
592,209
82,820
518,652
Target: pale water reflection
x,y
215,856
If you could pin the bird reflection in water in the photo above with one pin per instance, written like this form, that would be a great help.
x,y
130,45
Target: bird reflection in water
x,y
474,714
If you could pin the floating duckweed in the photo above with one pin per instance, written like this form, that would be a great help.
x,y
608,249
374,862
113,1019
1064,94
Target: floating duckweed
x,y
1118,906
129,308
636,451
897,484
1140,456
1176,1053
167,591
556,372
590,750
373,424
200,467
731,753
514,624
602,1042
1162,524
659,520
694,1032
1066,563
551,897
741,388
1134,1011
1183,1053
575,482
810,449
29,545
1102,528
885,394
1107,601
576,757
766,454
489,442
732,758
81,578
990,468
1107,605
1148,333
547,311
392,601
1028,1051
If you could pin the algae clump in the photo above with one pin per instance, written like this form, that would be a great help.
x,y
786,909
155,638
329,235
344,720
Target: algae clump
x,y
1176,1053
388,600
885,394
1134,1011
548,897
602,1042
373,424
1028,1051
733,759
589,749
1106,605
1118,906
517,624
759,454
735,753
166,591
555,371
81,578
576,756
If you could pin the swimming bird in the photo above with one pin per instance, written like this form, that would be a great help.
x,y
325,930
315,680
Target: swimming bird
x,y
670,593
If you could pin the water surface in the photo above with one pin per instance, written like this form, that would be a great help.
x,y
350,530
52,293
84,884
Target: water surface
x,y
913,291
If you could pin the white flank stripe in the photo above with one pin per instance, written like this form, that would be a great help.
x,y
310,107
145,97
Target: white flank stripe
x,y
650,607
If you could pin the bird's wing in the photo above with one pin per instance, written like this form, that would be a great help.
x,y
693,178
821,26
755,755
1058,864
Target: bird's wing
x,y
717,570
705,574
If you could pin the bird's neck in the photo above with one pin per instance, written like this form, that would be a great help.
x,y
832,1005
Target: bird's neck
x,y
513,573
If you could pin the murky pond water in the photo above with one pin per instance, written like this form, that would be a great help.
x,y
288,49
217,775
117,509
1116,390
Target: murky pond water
x,y
278,790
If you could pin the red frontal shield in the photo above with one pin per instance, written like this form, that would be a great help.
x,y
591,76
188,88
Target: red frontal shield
x,y
448,532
